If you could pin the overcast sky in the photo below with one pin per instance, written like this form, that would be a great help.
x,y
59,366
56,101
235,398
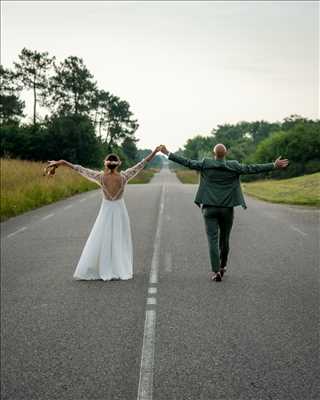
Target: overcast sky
x,y
184,67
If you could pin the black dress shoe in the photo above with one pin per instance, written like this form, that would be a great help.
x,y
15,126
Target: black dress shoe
x,y
216,277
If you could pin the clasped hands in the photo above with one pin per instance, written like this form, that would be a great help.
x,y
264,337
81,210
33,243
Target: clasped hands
x,y
162,148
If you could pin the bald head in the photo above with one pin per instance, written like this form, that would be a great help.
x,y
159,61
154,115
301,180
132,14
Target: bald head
x,y
220,151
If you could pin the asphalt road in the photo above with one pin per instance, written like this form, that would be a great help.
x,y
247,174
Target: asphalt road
x,y
254,336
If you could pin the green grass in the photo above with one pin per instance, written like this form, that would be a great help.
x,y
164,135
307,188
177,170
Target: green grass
x,y
303,190
144,176
187,176
24,187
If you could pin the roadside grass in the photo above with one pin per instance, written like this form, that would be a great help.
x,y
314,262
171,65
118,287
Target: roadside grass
x,y
302,190
144,176
187,176
24,187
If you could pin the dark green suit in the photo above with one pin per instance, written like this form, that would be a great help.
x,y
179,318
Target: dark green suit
x,y
218,192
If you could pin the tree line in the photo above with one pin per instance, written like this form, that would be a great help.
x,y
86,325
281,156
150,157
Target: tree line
x,y
79,122
295,138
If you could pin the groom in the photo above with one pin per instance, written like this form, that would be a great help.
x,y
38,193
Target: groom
x,y
218,193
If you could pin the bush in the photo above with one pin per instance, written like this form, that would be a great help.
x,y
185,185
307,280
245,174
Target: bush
x,y
300,144
312,166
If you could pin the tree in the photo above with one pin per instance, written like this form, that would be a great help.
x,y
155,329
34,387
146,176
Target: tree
x,y
291,121
228,133
113,117
260,130
300,144
241,149
130,149
32,72
71,88
72,137
11,107
77,111
199,147
101,105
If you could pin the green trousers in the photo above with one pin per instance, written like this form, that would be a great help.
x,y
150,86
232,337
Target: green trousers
x,y
218,223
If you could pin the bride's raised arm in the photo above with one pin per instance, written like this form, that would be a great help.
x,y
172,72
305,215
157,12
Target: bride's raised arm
x,y
88,173
133,171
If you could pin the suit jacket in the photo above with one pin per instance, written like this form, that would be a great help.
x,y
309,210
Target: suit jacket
x,y
220,179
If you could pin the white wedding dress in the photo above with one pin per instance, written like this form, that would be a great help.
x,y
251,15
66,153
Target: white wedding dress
x,y
108,252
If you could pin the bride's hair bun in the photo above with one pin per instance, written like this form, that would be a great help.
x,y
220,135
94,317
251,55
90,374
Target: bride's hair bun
x,y
112,161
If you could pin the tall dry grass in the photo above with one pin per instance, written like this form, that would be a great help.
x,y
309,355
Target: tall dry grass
x,y
23,186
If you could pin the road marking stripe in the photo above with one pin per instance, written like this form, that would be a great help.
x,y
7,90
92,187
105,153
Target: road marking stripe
x,y
298,230
147,358
47,216
67,207
156,249
152,290
81,200
145,389
17,231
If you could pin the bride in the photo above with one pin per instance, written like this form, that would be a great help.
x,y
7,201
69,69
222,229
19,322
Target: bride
x,y
108,252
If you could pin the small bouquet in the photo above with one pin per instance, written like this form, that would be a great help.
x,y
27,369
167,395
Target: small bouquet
x,y
50,170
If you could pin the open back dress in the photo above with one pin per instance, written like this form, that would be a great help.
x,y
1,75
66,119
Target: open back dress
x,y
108,252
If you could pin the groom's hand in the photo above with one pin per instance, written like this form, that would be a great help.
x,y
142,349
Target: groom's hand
x,y
164,150
281,163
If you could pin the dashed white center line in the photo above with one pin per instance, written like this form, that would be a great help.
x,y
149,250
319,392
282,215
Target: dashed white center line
x,y
67,207
156,250
294,228
47,216
81,200
145,389
17,231
147,359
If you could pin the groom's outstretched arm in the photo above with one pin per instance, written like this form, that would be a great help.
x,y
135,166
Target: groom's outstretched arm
x,y
257,168
254,168
192,164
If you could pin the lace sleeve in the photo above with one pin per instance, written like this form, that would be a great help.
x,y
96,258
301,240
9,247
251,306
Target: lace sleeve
x,y
88,173
133,171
